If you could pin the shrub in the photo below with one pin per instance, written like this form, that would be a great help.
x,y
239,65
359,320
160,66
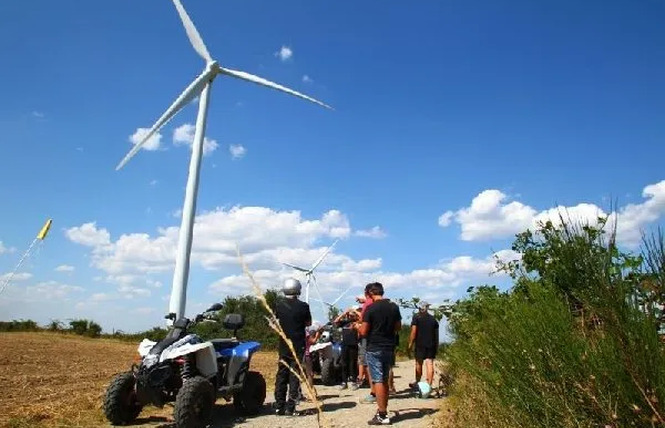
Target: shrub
x,y
573,344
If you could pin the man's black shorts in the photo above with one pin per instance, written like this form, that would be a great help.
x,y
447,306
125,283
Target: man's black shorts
x,y
425,353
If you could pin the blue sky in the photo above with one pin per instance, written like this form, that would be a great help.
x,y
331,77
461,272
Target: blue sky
x,y
456,124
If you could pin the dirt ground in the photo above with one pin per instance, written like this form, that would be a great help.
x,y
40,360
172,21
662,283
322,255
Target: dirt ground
x,y
53,380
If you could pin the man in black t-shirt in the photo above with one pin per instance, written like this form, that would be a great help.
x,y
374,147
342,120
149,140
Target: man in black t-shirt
x,y
293,316
380,322
425,335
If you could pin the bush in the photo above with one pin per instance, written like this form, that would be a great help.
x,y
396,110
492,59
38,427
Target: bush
x,y
19,325
85,327
572,344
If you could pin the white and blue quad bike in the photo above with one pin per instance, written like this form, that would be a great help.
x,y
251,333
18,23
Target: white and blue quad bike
x,y
193,373
326,357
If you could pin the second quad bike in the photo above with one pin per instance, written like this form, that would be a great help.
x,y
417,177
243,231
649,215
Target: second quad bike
x,y
193,373
326,357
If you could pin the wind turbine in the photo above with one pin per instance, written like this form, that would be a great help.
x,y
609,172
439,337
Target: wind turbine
x,y
309,273
200,87
331,304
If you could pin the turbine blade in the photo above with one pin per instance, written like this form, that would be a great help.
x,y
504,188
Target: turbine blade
x,y
295,267
318,293
323,256
342,295
192,91
194,36
261,81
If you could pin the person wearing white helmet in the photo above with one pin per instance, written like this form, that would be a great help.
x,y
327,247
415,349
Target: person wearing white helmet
x,y
294,317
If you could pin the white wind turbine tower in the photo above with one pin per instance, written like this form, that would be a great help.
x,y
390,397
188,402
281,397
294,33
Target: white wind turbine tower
x,y
199,87
309,273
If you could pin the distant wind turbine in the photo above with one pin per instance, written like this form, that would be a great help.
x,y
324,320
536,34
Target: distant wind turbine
x,y
309,273
331,304
200,87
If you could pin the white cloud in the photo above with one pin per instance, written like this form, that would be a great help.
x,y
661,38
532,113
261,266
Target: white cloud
x,y
445,218
439,281
38,114
154,143
153,182
52,290
237,151
64,268
4,249
184,135
307,79
19,276
492,216
101,297
87,234
254,229
375,232
284,53
489,217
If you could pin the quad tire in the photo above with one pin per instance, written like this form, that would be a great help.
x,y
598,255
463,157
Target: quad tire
x,y
328,372
121,406
194,403
250,399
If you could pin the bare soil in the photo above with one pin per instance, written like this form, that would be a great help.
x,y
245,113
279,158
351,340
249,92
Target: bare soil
x,y
57,380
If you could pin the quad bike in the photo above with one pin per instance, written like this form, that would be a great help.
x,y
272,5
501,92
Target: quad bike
x,y
184,369
326,357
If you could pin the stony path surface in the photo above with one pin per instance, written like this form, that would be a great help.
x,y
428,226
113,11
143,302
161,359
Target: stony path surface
x,y
342,408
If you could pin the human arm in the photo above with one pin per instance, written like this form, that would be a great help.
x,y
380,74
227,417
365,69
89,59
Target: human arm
x,y
308,316
412,336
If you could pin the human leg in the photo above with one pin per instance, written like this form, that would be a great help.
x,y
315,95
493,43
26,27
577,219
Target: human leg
x,y
379,364
429,367
294,386
281,385
353,362
345,364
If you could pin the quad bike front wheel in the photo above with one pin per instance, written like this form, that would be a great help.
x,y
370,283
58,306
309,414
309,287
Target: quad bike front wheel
x,y
121,406
328,372
194,403
250,399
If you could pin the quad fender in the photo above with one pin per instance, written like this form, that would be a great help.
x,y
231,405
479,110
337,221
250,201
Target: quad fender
x,y
145,346
239,357
319,346
206,360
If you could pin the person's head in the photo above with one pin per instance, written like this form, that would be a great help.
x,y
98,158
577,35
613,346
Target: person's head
x,y
292,288
423,306
374,290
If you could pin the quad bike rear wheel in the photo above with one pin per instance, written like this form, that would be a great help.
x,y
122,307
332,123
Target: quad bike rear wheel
x,y
121,406
250,399
194,403
328,372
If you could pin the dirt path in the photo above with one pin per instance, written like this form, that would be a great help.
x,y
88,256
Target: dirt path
x,y
342,408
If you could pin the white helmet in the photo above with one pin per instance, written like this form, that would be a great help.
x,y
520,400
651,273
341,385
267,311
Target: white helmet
x,y
291,287
314,327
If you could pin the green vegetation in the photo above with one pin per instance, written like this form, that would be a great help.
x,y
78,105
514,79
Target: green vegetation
x,y
574,343
256,326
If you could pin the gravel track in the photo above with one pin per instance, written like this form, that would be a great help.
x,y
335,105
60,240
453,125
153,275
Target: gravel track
x,y
342,408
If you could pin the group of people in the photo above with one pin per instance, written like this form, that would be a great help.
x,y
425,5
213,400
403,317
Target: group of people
x,y
370,335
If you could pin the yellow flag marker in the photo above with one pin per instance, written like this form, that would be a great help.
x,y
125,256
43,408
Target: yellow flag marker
x,y
40,237
47,226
